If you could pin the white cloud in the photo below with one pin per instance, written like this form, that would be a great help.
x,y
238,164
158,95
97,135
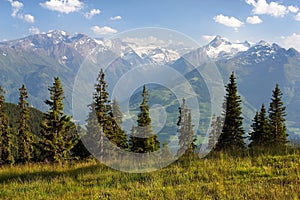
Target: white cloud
x,y
92,13
228,21
293,9
27,18
253,20
297,17
116,18
63,6
263,7
292,41
34,30
208,38
16,7
103,30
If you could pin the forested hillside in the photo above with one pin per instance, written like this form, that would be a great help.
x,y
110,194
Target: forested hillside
x,y
35,119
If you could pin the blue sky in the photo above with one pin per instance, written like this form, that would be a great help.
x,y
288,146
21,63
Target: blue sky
x,y
237,20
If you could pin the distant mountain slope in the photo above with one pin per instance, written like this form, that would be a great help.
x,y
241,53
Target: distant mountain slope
x,y
35,115
220,48
258,69
36,59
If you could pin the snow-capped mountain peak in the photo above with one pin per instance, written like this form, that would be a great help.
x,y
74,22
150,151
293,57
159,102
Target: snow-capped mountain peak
x,y
218,40
157,55
220,48
64,46
57,32
263,43
57,36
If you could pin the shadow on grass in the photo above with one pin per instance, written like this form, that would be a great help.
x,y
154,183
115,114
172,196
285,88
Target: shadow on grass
x,y
48,174
76,170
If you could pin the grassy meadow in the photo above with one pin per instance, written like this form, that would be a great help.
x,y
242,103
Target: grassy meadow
x,y
222,177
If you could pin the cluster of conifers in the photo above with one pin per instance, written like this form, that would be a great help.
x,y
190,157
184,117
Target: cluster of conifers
x,y
269,132
57,140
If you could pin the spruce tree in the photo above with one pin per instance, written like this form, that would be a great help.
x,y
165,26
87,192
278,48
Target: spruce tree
x,y
117,114
191,134
94,134
186,135
265,128
104,113
260,136
143,139
118,135
25,139
58,133
6,145
277,119
102,104
255,135
216,129
231,138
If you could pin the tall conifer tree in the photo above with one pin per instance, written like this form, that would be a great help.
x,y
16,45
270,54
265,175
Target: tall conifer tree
x,y
216,129
143,139
58,133
104,113
186,135
116,110
94,134
255,135
231,138
260,137
6,155
25,139
277,119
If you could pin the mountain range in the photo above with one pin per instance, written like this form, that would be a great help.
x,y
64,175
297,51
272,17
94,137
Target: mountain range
x,y
36,59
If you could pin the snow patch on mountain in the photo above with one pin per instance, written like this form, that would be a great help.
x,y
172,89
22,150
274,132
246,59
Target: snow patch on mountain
x,y
154,50
157,55
220,48
149,50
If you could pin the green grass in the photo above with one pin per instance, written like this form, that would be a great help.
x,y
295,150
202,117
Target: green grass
x,y
261,177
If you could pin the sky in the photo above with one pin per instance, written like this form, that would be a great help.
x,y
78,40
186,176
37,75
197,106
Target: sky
x,y
237,20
